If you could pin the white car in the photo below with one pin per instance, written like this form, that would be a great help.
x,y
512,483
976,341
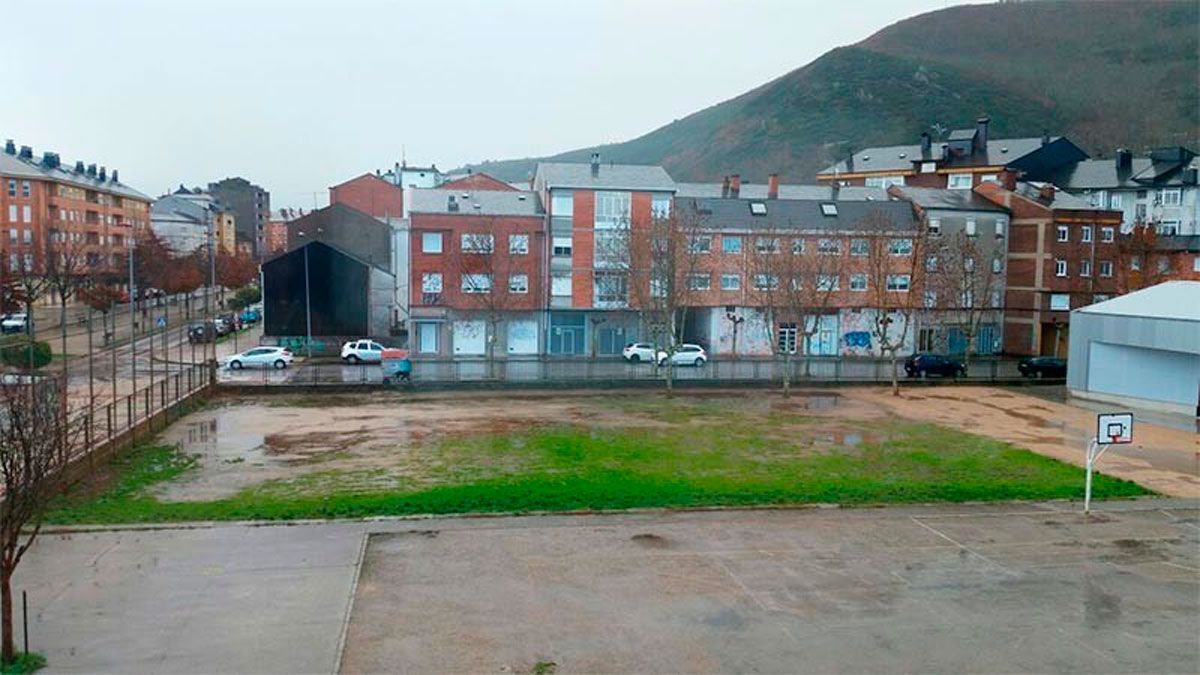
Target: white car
x,y
362,351
636,352
261,357
14,323
685,355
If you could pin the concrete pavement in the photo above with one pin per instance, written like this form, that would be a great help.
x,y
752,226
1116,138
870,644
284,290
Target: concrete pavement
x,y
981,588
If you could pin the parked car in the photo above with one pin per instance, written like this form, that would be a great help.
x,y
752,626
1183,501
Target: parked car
x,y
635,352
250,315
201,332
362,351
225,323
1042,366
685,355
261,357
14,323
923,365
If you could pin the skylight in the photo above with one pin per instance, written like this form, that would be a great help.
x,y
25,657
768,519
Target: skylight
x,y
758,208
828,209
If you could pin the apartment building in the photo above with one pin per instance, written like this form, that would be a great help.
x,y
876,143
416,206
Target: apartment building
x,y
251,206
1062,254
962,161
43,201
476,272
591,209
183,218
370,194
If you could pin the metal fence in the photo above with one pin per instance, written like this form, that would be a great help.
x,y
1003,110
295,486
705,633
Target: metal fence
x,y
816,370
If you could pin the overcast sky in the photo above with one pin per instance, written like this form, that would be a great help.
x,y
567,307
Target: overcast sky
x,y
297,95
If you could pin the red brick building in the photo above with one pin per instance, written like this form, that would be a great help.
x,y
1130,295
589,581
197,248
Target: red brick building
x,y
370,194
43,202
1062,254
476,271
477,181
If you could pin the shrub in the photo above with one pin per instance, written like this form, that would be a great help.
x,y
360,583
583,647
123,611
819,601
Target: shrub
x,y
244,297
18,355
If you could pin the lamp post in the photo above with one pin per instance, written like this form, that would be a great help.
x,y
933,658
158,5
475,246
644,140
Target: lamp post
x,y
307,304
132,320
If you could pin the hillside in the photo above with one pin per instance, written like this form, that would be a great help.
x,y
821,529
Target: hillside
x,y
1070,67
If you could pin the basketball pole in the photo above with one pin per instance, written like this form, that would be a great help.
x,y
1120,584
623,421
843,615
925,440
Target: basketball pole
x,y
1094,451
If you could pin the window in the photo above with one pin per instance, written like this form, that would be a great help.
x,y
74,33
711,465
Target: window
x,y
560,284
1196,264
884,181
989,177
476,283
766,245
700,244
731,244
928,167
787,338
24,188
562,246
612,289
1086,233
12,213
1001,223
931,263
958,181
1060,302
1135,263
797,247
658,288
1139,213
562,203
698,282
1114,202
969,264
758,208
766,282
935,227
828,209
1163,264
1064,233
1166,227
829,246
900,247
477,243
971,227
12,192
968,298
1085,268
860,247
431,282
660,206
1107,235
898,282
612,210
1170,196
1060,268
28,260
27,237
26,214
858,282
518,244
518,283
1106,268
997,265
731,282
431,242
827,283
12,234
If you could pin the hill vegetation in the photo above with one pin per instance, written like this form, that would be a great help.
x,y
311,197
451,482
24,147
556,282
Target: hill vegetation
x,y
1105,74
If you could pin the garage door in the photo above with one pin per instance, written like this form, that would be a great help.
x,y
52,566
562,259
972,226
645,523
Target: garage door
x,y
1152,374
522,337
470,337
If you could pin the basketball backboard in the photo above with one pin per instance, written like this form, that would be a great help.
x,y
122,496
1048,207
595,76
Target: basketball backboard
x,y
1114,428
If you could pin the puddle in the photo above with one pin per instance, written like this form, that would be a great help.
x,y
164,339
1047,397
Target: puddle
x,y
650,540
821,402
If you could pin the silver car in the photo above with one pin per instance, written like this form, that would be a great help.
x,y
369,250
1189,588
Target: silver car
x,y
261,357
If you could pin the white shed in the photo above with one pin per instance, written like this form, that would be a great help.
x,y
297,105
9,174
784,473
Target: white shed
x,y
1141,349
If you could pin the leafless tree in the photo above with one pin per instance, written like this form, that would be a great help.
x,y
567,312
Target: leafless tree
x,y
963,283
65,267
37,440
894,283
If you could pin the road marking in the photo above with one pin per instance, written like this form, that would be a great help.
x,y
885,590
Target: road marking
x,y
962,546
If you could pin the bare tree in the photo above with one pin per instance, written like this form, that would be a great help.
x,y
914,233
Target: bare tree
x,y
963,284
65,267
494,281
894,283
37,439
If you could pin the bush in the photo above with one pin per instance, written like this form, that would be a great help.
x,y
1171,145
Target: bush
x,y
244,297
24,663
18,355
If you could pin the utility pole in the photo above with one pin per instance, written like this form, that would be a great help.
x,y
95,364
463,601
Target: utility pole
x,y
307,309
212,287
132,324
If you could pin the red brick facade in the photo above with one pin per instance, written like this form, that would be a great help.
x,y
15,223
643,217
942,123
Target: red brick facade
x,y
371,195
478,181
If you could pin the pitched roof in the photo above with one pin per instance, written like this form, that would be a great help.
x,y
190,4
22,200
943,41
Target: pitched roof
x,y
477,181
1178,300
950,200
1000,152
1062,200
759,191
489,202
609,176
367,175
795,214
14,165
1143,172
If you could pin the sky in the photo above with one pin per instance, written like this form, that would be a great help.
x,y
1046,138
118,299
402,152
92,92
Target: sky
x,y
298,95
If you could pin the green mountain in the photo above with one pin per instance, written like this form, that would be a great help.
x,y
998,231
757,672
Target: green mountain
x,y
1106,74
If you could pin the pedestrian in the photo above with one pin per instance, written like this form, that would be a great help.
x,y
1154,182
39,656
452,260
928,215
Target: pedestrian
x,y
405,369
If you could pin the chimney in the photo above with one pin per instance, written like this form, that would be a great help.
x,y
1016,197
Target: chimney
x,y
50,160
115,179
1124,160
91,170
735,185
834,188
103,174
595,164
1046,192
451,204
1045,137
926,144
1009,179
773,186
10,148
981,134
26,152
79,166
725,188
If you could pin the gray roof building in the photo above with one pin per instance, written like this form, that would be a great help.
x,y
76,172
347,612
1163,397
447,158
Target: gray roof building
x,y
480,202
20,163
600,176
1163,167
947,200
817,215
759,191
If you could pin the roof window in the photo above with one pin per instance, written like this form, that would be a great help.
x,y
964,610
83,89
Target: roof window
x,y
758,208
828,209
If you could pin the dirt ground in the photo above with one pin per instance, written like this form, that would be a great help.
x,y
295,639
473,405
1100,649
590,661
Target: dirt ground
x,y
305,444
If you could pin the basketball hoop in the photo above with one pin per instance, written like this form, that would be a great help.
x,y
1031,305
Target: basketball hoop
x,y
1111,429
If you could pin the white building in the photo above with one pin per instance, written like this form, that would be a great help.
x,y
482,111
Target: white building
x,y
1159,189
1140,349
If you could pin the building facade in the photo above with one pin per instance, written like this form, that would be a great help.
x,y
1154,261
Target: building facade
x,y
251,206
44,203
370,194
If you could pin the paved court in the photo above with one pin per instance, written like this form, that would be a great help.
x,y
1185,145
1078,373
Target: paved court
x,y
984,588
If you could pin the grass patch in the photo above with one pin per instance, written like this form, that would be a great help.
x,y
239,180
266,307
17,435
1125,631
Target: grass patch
x,y
729,460
23,662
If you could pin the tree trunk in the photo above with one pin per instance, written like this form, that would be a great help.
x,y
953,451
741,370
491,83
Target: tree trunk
x,y
787,374
8,649
895,382
62,321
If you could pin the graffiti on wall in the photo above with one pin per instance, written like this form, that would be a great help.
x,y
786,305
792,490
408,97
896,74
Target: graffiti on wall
x,y
859,339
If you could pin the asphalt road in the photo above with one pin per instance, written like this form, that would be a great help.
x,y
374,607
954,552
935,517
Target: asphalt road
x,y
985,588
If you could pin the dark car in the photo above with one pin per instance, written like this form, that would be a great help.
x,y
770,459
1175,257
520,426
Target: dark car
x,y
201,333
923,365
1043,366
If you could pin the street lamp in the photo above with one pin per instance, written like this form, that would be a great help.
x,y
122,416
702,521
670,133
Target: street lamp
x,y
307,304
